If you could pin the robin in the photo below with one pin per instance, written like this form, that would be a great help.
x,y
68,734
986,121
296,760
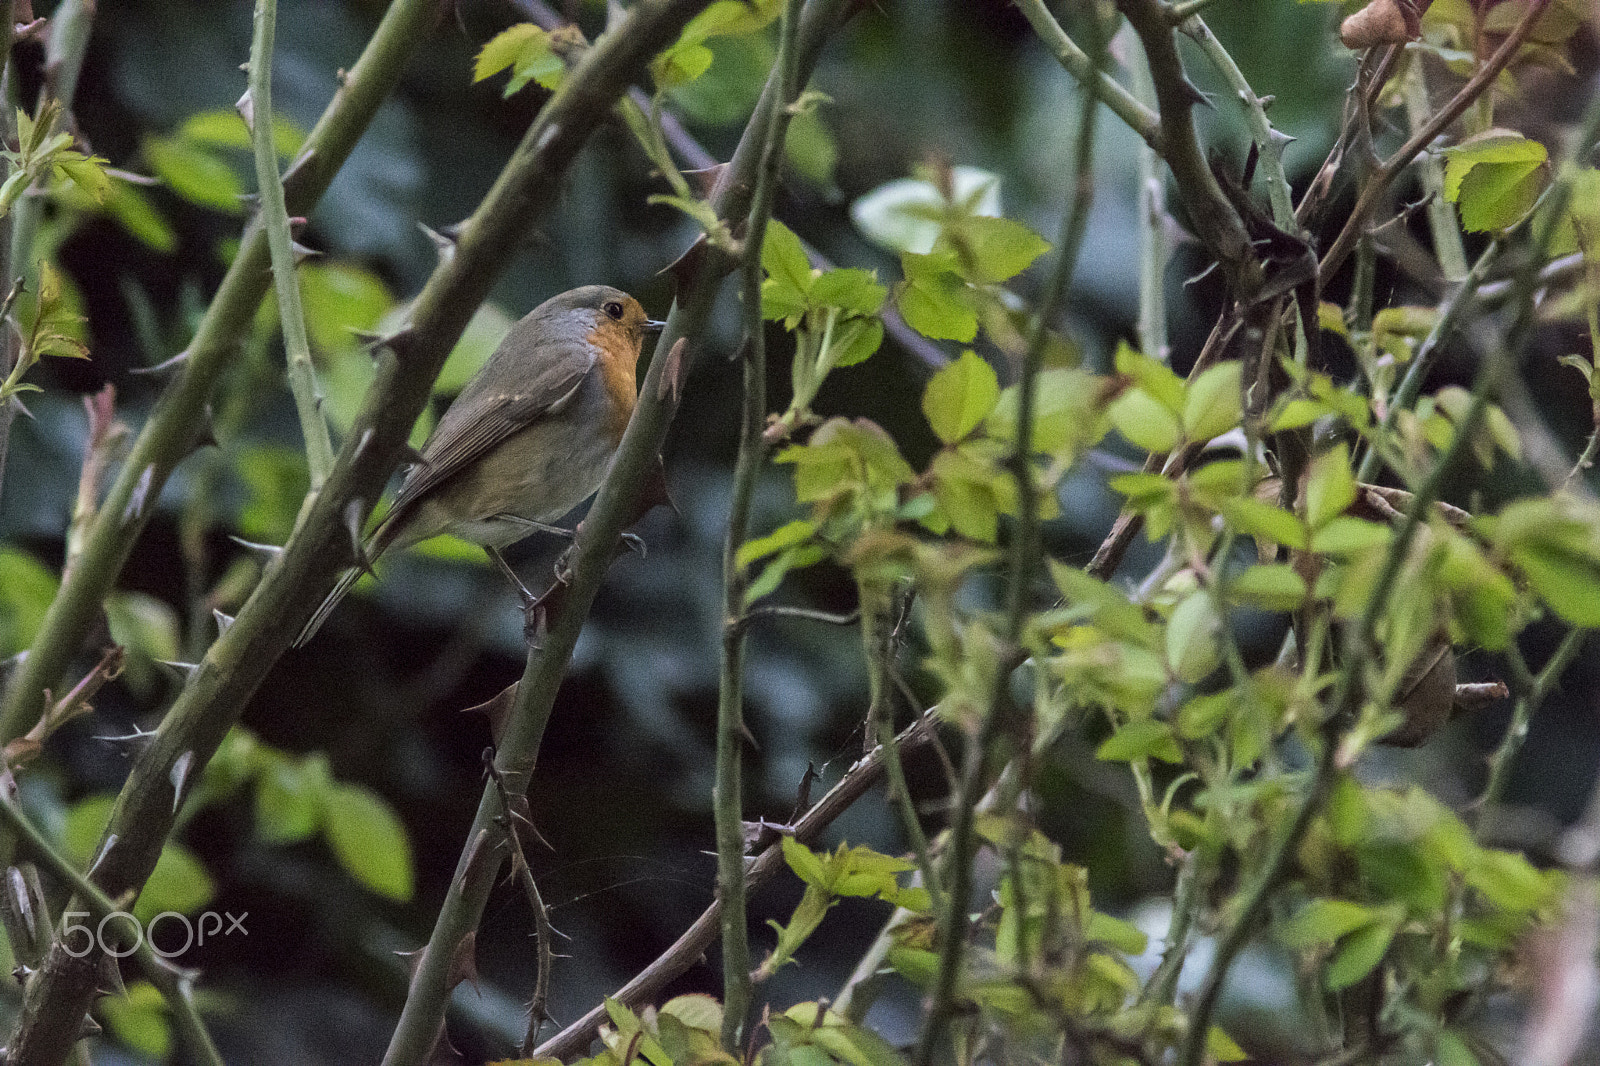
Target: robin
x,y
529,438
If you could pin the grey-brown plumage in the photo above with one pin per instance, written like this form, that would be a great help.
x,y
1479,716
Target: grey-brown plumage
x,y
530,437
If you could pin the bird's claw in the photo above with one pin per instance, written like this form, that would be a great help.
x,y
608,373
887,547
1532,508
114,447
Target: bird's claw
x,y
635,544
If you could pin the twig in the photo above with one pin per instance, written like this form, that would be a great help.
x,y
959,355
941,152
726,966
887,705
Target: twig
x,y
688,948
257,110
1443,225
174,984
1024,558
1141,119
179,421
1154,245
1385,175
511,811
1269,141
1531,690
728,795
1428,351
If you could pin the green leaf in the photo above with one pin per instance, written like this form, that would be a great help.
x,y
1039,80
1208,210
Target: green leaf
x,y
1348,535
1220,1047
1331,487
811,149
139,1019
1564,579
26,590
178,883
1510,881
196,173
368,839
856,341
902,215
291,795
1145,738
1258,518
1494,177
1194,647
1450,1049
937,305
130,206
806,864
339,298
960,396
1271,587
1323,921
785,536
502,50
1211,405
970,494
1359,954
1001,248
784,258
1145,421
856,291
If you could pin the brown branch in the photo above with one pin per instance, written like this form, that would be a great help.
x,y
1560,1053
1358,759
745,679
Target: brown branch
x,y
1385,175
688,948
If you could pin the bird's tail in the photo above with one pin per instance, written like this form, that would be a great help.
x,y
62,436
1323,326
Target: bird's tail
x,y
347,581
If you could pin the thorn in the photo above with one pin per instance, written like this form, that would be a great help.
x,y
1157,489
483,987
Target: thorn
x,y
111,842
496,709
109,980
267,551
1195,95
1278,140
1200,276
676,369
164,366
179,670
208,430
411,958
246,106
136,500
16,401
304,158
444,245
464,963
137,734
179,776
223,621
353,523
302,253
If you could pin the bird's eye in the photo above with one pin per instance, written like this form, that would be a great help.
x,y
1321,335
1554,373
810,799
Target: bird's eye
x,y
614,309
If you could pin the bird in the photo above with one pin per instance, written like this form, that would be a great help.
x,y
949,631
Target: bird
x,y
529,438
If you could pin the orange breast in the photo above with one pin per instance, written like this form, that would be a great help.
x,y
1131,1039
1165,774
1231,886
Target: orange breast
x,y
619,360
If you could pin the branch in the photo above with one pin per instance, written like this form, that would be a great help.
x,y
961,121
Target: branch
x,y
274,219
1385,175
178,423
1143,121
691,946
700,274
1211,214
173,984
728,792
1024,559
294,582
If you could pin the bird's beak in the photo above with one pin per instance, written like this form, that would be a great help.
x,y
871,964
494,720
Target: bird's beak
x,y
654,325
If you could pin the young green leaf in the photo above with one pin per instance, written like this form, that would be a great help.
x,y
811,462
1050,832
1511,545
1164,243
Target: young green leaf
x,y
960,396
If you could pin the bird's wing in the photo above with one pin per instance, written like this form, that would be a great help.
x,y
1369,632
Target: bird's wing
x,y
483,417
